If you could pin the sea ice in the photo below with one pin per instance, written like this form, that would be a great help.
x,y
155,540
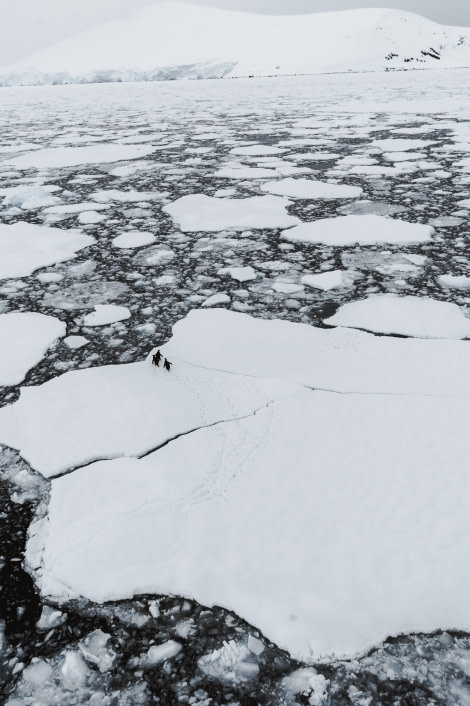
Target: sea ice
x,y
405,315
198,212
133,239
273,518
326,280
122,410
455,281
29,197
59,157
340,359
310,189
106,314
24,340
217,299
25,247
91,217
242,274
368,229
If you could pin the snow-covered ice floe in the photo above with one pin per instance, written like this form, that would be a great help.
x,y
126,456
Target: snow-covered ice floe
x,y
327,520
311,189
106,314
198,212
59,157
405,315
25,247
24,339
364,229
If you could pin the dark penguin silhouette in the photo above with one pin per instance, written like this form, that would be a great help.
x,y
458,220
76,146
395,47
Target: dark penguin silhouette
x,y
156,358
167,365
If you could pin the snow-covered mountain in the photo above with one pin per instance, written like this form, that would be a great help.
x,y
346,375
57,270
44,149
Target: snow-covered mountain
x,y
170,40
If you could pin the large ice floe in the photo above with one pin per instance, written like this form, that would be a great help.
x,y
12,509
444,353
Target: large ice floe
x,y
311,189
363,229
25,247
24,339
405,315
58,157
198,212
312,480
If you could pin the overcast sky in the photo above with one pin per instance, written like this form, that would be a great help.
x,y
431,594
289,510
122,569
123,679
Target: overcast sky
x,y
28,25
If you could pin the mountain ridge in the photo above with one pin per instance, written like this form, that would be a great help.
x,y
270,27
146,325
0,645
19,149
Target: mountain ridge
x,y
169,41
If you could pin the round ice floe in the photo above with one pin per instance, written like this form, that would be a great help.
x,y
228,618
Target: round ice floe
x,y
25,247
347,230
407,316
106,314
204,213
310,189
242,172
90,217
24,339
326,280
133,239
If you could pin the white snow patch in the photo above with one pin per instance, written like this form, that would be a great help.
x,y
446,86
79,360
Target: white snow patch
x,y
24,340
408,316
367,229
198,212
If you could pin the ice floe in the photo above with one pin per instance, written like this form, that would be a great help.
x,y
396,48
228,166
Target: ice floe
x,y
29,197
311,189
327,280
405,315
24,340
455,281
59,157
25,247
198,212
273,518
122,410
242,274
363,229
106,314
133,239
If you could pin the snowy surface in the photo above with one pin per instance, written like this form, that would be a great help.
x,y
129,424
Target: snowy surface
x,y
24,340
171,40
407,316
25,247
210,514
122,410
347,230
203,213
